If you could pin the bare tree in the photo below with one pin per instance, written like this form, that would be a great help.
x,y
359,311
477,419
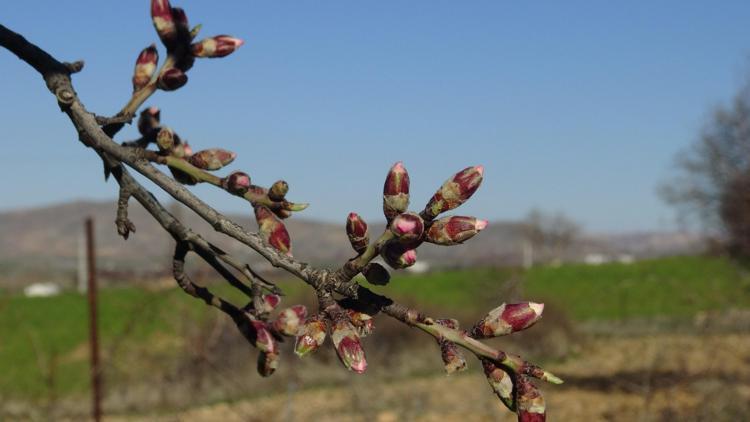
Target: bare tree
x,y
346,308
549,234
712,172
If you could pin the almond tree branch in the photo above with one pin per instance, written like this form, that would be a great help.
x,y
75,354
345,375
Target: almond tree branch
x,y
324,281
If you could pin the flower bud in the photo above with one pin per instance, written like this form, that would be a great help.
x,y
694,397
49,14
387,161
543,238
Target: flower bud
x,y
454,192
348,347
149,120
171,79
236,183
263,339
376,274
161,15
267,363
145,66
508,318
408,227
501,383
165,139
290,319
529,401
396,191
361,321
311,336
218,46
212,159
454,230
278,190
356,230
397,256
273,230
269,302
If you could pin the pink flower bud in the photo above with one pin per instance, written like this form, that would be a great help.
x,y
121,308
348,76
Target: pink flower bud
x,y
501,383
278,190
269,303
263,339
273,230
149,120
145,66
348,347
397,256
171,79
289,320
356,230
212,159
165,139
236,183
376,274
396,191
408,227
454,230
311,336
218,46
529,401
454,192
506,319
267,363
361,321
161,15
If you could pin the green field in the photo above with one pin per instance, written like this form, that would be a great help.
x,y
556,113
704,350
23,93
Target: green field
x,y
677,286
43,340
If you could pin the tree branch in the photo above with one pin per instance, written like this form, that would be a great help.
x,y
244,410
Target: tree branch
x,y
324,281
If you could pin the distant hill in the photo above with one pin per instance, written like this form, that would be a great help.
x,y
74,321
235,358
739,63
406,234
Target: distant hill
x,y
43,242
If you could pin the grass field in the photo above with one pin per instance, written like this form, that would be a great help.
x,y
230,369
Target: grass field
x,y
43,340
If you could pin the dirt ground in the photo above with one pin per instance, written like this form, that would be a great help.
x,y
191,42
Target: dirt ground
x,y
664,377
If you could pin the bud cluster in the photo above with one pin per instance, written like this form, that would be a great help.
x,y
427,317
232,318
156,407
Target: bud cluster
x,y
405,232
171,24
408,229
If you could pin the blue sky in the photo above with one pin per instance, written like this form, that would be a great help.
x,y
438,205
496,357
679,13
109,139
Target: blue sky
x,y
571,106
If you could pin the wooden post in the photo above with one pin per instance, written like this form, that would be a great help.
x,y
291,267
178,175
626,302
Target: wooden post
x,y
96,387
